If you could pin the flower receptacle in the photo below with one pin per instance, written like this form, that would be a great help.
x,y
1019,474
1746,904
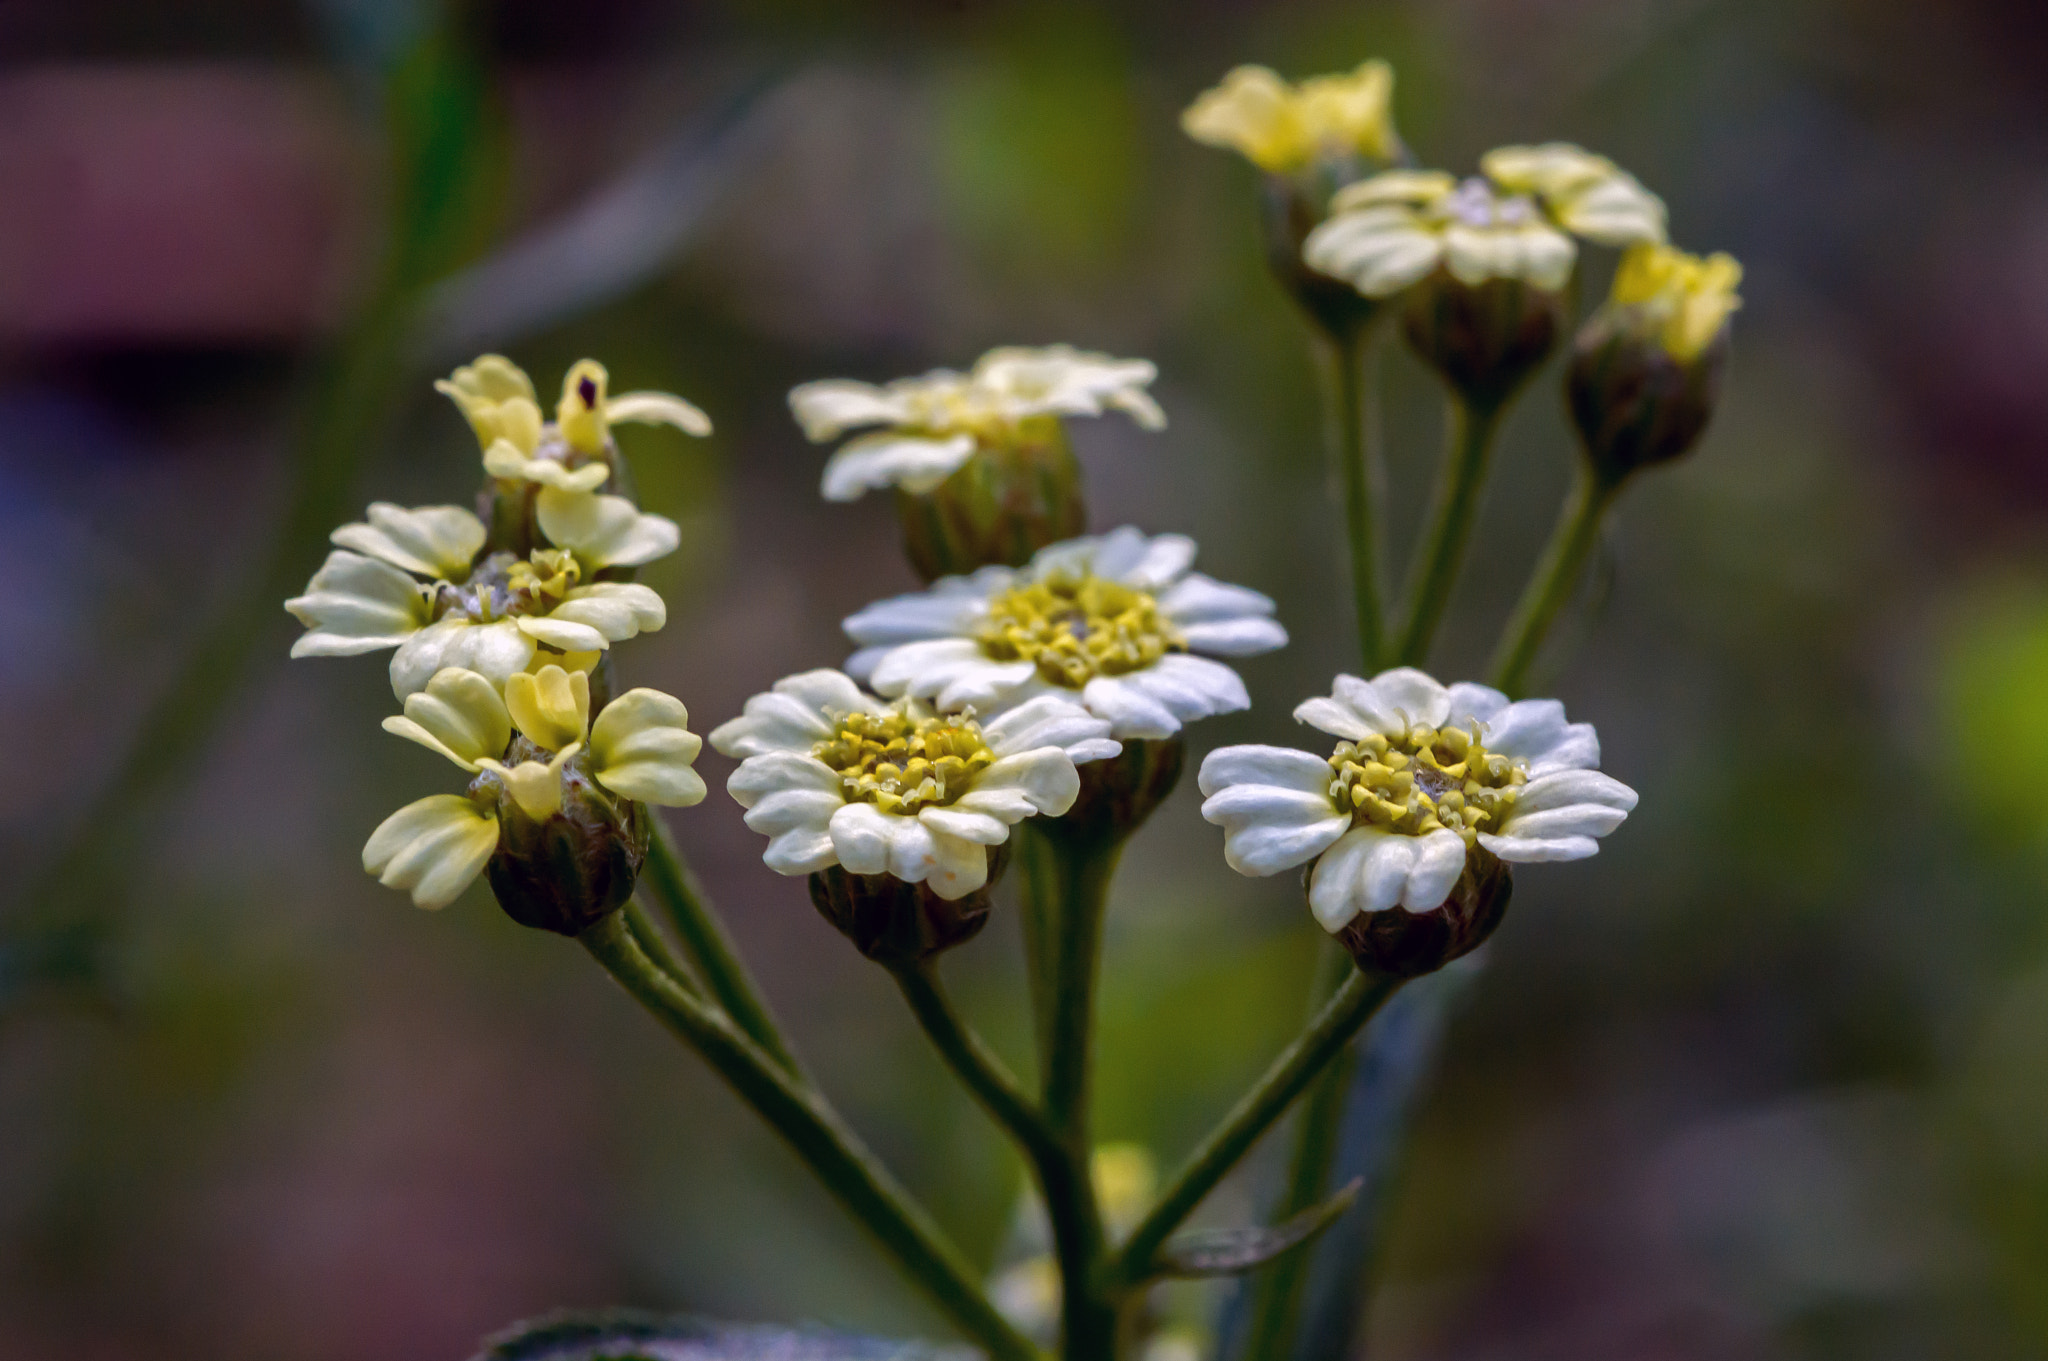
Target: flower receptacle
x,y
565,871
1119,793
1634,402
1292,206
1010,499
896,923
1403,944
1484,339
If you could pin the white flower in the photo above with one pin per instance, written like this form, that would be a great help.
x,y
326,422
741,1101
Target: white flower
x,y
936,422
639,748
491,615
1112,620
1422,774
571,453
1516,221
835,776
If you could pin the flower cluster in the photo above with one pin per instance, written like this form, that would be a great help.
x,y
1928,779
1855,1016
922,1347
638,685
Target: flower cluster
x,y
499,623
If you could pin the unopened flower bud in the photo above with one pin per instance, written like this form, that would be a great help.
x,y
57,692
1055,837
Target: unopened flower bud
x,y
1646,369
892,922
573,866
1292,206
1485,339
1404,944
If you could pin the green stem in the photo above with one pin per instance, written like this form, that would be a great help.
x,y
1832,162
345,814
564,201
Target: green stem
x,y
1350,370
1076,1243
815,1132
1072,898
708,946
1254,1113
1442,551
1556,577
1276,1291
655,945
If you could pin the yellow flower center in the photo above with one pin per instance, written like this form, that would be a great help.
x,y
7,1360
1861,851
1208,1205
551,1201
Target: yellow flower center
x,y
1077,628
1424,780
503,585
901,763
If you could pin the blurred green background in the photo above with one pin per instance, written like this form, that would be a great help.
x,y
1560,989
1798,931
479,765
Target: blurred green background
x,y
1765,1079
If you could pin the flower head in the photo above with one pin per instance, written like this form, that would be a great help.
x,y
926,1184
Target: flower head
x,y
1113,621
571,453
414,580
1282,128
1420,775
934,423
838,777
562,768
1683,300
1516,220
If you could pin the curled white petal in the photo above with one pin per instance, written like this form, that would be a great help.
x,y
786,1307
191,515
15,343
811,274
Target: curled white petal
x,y
916,463
356,604
433,848
657,408
434,541
495,651
604,531
641,746
458,715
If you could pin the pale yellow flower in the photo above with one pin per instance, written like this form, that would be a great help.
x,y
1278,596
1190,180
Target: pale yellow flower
x,y
1282,128
640,748
1516,221
1688,298
569,454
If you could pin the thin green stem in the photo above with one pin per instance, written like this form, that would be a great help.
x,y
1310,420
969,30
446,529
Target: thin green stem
x,y
654,943
815,1132
1556,577
1253,1115
1276,1291
1072,898
668,875
1442,550
1351,408
1076,1243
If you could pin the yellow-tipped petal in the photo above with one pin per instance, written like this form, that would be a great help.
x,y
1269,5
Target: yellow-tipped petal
x,y
604,531
459,715
503,459
1354,111
498,399
1690,297
1255,113
641,747
657,408
551,706
534,786
432,848
580,415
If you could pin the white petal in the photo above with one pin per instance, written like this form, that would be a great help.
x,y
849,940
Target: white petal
x,y
1327,715
617,609
356,604
954,866
887,459
1378,250
656,408
1199,599
1235,637
801,850
1042,781
951,609
1414,693
433,848
1165,559
1282,766
1572,820
459,715
1577,749
494,651
830,407
787,810
1471,701
604,531
1534,730
827,691
861,836
434,541
1269,828
1524,850
914,852
790,717
563,635
1193,687
771,772
1567,787
1366,871
1131,711
1046,720
1439,860
983,829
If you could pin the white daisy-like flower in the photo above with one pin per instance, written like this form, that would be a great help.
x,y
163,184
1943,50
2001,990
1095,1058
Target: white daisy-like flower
x,y
571,452
1517,220
835,776
934,423
640,748
411,579
1114,621
1421,774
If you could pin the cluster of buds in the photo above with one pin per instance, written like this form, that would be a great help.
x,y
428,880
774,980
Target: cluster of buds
x,y
501,623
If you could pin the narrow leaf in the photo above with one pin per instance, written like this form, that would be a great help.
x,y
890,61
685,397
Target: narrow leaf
x,y
639,1335
1230,1252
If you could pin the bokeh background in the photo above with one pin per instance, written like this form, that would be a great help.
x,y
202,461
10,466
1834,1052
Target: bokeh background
x,y
1763,1080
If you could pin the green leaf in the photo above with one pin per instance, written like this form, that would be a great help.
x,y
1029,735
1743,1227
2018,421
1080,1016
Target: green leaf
x,y
1231,1252
639,1335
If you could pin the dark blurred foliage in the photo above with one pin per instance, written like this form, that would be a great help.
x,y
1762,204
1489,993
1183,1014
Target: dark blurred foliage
x,y
1763,1080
